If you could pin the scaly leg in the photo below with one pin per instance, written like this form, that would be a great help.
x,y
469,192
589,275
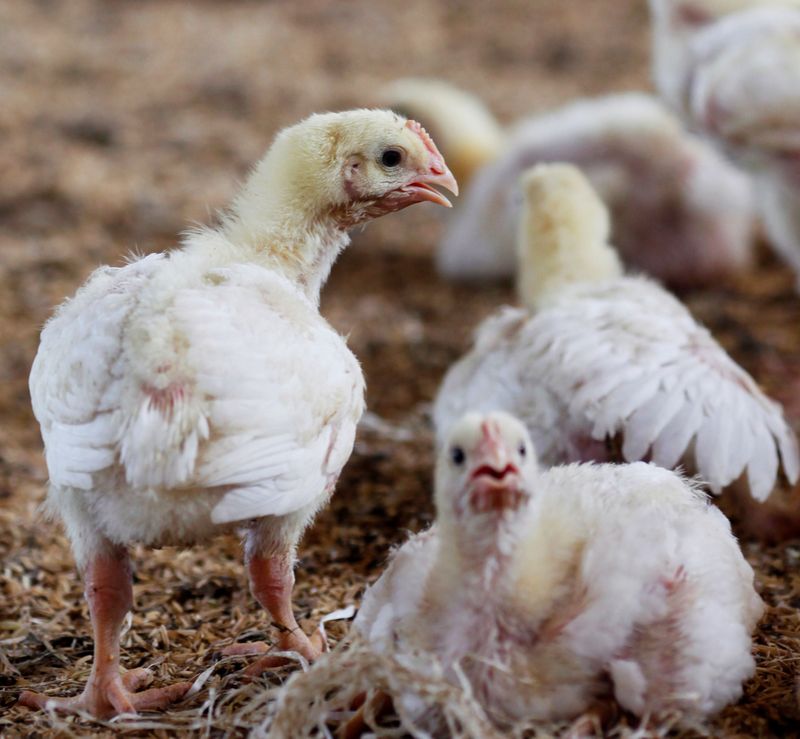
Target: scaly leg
x,y
108,691
271,582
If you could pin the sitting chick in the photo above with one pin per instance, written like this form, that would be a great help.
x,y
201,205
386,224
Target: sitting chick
x,y
597,356
549,590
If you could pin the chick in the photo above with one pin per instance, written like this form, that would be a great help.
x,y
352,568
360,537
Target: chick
x,y
681,212
549,590
193,391
596,356
732,69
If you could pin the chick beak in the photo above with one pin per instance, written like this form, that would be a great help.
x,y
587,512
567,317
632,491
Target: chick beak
x,y
495,483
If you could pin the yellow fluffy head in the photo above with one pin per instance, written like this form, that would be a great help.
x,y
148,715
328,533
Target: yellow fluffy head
x,y
352,166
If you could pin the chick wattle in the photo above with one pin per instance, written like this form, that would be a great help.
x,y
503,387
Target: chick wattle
x,y
197,390
681,212
546,591
731,68
597,356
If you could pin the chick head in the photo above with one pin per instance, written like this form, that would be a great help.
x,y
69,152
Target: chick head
x,y
485,470
360,164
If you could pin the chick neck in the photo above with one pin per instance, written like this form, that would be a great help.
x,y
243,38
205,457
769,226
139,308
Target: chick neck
x,y
563,241
280,220
476,552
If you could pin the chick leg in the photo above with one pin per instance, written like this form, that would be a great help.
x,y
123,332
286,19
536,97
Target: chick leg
x,y
271,582
108,692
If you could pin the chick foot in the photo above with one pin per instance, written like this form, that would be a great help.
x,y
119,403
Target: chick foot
x,y
293,641
109,695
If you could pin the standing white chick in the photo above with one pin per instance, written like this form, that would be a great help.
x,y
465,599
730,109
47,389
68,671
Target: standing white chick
x,y
194,390
596,354
551,590
681,213
732,69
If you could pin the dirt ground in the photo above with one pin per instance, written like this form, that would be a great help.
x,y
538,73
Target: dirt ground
x,y
120,123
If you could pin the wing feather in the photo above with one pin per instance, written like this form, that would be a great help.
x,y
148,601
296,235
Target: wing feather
x,y
627,357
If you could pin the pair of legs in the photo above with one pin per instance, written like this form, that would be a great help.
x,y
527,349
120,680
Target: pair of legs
x,y
107,587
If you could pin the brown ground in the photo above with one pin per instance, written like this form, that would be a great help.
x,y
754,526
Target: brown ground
x,y
120,123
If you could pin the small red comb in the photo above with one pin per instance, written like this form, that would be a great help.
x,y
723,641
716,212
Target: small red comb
x,y
423,134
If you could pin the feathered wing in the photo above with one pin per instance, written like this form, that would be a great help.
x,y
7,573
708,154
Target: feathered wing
x,y
676,616
630,359
483,379
208,391
284,394
623,358
76,378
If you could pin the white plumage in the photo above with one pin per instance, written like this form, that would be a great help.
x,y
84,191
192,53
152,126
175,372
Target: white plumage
x,y
732,69
193,390
598,354
207,393
589,576
681,212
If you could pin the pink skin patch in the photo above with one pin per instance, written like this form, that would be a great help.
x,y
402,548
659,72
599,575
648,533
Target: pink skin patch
x,y
165,399
671,584
488,495
692,15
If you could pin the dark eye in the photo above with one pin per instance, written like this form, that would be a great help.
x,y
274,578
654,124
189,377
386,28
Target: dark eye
x,y
457,455
521,449
391,157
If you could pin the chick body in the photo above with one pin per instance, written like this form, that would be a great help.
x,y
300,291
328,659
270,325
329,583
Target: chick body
x,y
614,580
